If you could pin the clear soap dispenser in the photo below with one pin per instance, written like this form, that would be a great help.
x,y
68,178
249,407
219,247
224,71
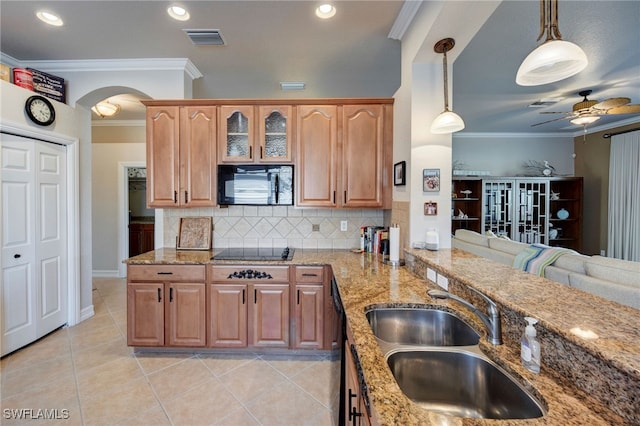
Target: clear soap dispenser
x,y
530,347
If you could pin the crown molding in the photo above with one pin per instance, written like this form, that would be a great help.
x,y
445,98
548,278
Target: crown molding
x,y
85,65
512,135
118,123
404,19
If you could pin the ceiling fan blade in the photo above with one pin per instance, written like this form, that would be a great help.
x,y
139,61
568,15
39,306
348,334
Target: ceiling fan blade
x,y
550,121
625,109
611,103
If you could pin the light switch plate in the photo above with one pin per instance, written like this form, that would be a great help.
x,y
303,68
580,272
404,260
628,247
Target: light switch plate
x,y
343,225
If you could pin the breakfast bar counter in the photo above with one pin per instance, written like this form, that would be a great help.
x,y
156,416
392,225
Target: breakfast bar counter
x,y
590,346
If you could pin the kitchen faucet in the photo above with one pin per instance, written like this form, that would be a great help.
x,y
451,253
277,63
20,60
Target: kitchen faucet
x,y
491,322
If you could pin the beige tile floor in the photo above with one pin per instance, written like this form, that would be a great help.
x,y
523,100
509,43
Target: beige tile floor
x,y
86,375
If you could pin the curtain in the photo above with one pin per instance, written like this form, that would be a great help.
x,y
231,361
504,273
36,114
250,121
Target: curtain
x,y
624,197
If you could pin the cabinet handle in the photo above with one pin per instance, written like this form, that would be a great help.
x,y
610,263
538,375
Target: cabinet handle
x,y
243,295
345,197
355,415
17,256
250,152
307,274
334,197
159,295
186,197
165,273
175,197
298,297
261,154
255,295
170,294
352,409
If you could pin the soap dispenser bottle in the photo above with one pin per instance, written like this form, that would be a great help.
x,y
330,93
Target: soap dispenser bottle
x,y
530,347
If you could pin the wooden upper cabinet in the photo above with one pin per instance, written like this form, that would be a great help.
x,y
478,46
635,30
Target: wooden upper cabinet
x,y
344,155
362,155
198,156
317,155
256,134
163,156
181,156
236,136
275,134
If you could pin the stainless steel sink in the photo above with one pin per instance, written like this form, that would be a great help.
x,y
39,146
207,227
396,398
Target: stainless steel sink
x,y
461,383
417,326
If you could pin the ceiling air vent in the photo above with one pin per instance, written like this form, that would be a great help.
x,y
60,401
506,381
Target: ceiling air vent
x,y
205,37
544,102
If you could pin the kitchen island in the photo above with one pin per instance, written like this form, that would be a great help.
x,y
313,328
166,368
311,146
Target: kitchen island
x,y
591,347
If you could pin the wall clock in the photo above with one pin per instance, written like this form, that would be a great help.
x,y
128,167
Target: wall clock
x,y
40,110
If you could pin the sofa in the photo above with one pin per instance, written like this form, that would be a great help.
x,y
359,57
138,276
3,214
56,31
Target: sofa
x,y
614,279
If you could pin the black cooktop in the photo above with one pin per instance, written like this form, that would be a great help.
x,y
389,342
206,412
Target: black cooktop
x,y
253,253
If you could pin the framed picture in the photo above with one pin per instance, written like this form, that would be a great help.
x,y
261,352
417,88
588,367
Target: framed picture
x,y
195,233
400,173
430,208
431,180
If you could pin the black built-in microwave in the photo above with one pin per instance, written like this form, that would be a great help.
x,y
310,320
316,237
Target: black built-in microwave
x,y
255,185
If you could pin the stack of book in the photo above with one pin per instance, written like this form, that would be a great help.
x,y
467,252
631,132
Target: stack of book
x,y
371,238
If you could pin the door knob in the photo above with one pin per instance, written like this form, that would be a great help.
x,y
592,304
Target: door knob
x,y
17,256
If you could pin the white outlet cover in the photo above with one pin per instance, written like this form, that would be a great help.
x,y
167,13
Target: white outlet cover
x,y
343,225
443,282
431,275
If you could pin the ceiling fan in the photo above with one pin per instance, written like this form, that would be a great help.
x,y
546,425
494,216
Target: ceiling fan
x,y
587,111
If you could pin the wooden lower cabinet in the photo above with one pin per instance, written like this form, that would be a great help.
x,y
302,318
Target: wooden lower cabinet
x,y
145,314
227,315
166,305
309,307
269,313
355,409
186,319
255,315
309,317
141,238
229,306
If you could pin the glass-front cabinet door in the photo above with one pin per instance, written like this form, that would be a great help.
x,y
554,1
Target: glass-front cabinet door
x,y
239,142
275,133
236,133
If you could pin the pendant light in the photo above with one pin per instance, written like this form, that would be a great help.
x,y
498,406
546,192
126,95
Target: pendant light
x,y
105,109
448,121
555,59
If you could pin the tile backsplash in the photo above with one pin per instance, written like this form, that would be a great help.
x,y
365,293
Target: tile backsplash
x,y
277,226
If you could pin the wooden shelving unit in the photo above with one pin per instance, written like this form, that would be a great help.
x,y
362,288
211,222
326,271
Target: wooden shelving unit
x,y
569,197
470,204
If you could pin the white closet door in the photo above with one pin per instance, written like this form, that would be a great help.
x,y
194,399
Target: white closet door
x,y
51,230
33,293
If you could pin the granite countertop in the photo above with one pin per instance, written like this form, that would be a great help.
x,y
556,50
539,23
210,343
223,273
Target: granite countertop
x,y
363,281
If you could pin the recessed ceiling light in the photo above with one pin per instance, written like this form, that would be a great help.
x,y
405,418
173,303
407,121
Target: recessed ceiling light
x,y
178,13
49,18
325,11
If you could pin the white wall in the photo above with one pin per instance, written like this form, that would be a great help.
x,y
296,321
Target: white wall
x,y
504,155
105,163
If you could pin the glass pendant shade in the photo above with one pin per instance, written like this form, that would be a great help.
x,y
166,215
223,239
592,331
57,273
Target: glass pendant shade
x,y
552,61
105,109
584,120
447,122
